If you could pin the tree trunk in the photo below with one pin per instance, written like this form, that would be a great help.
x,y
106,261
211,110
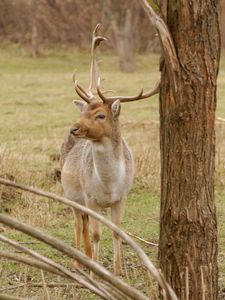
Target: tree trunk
x,y
33,25
34,43
188,228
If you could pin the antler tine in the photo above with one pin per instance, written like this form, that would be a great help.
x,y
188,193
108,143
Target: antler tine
x,y
81,92
140,96
89,95
100,93
94,71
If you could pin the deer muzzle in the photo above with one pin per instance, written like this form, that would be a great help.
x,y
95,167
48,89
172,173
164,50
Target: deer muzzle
x,y
74,130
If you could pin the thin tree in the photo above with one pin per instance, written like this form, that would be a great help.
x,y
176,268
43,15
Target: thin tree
x,y
188,226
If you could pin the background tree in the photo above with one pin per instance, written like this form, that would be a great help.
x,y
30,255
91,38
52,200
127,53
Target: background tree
x,y
188,226
69,23
124,17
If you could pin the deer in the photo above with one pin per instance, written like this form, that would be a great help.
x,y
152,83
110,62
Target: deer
x,y
97,165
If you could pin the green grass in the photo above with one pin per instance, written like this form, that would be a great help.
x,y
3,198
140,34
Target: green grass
x,y
35,113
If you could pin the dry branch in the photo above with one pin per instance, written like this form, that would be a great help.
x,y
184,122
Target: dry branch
x,y
169,51
192,271
142,240
50,262
73,253
106,275
30,262
220,119
12,287
8,297
46,293
43,266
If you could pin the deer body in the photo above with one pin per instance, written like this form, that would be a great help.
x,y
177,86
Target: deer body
x,y
97,164
97,169
94,171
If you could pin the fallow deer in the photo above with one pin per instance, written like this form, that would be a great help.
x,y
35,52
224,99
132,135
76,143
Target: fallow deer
x,y
97,164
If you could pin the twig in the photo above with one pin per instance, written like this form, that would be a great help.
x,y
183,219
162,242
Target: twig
x,y
142,240
195,294
203,283
8,297
29,243
8,288
152,290
86,260
168,292
50,285
220,119
46,294
186,283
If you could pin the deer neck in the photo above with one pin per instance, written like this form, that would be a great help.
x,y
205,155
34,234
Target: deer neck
x,y
108,159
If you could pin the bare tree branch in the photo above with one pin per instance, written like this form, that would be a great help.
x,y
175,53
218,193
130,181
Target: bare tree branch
x,y
8,297
43,266
71,252
169,51
31,262
46,293
86,260
50,262
142,240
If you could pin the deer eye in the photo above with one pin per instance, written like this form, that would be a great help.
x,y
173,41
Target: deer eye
x,y
100,117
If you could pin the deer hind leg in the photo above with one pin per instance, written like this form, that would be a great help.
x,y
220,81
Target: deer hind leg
x,y
96,235
96,232
116,214
86,237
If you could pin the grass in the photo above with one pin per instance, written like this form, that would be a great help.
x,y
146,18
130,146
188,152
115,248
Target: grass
x,y
35,113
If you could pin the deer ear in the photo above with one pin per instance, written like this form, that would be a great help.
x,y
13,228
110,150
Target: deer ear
x,y
79,104
115,108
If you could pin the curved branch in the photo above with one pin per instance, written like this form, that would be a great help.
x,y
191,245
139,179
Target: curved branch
x,y
107,275
43,266
8,297
31,262
43,259
71,252
169,51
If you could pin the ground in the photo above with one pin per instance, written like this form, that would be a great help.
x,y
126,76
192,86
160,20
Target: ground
x,y
36,111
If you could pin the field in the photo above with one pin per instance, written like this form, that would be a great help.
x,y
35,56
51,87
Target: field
x,y
36,111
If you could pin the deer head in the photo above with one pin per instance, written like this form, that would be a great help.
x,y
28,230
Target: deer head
x,y
100,119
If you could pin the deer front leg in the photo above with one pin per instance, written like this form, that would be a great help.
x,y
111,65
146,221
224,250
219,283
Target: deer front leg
x,y
117,213
78,232
96,231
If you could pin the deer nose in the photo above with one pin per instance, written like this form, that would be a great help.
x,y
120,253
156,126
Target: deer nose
x,y
74,130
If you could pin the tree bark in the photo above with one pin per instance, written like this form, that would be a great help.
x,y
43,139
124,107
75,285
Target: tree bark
x,y
188,227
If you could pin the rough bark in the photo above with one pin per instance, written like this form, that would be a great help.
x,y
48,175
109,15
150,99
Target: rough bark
x,y
188,228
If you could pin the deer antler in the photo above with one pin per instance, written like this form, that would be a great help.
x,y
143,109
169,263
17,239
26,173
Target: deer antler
x,y
94,85
89,95
140,96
